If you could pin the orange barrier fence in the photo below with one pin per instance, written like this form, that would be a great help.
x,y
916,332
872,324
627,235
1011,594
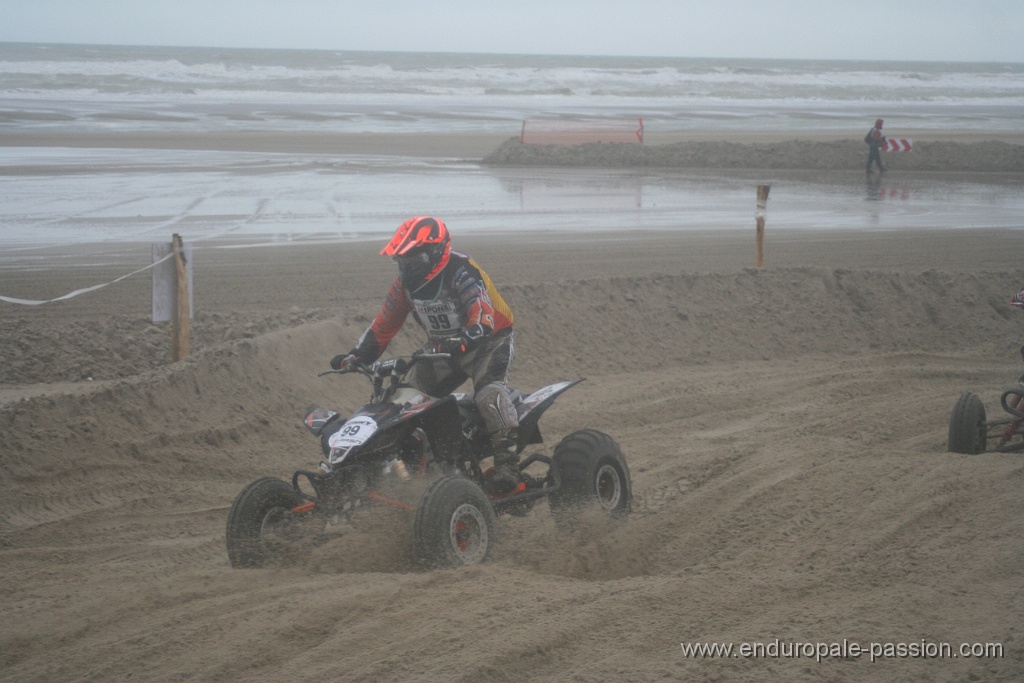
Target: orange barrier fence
x,y
578,132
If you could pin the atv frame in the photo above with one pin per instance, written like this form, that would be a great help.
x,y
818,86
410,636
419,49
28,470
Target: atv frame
x,y
971,433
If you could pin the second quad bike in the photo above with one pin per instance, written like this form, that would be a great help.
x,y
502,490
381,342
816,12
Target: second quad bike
x,y
377,455
970,432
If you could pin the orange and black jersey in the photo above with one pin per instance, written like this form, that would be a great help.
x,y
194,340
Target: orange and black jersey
x,y
460,300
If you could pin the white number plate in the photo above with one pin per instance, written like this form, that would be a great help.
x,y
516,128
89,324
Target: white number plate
x,y
355,432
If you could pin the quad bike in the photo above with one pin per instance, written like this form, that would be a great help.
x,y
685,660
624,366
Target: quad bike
x,y
971,433
423,456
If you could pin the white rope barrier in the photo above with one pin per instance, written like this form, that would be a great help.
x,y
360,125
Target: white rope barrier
x,y
77,292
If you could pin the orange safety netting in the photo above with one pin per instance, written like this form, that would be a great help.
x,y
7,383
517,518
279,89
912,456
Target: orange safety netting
x,y
578,132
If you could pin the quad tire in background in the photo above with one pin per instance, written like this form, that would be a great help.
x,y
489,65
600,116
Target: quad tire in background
x,y
592,474
259,519
967,427
454,524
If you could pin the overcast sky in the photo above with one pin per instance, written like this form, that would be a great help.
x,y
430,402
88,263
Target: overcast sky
x,y
982,30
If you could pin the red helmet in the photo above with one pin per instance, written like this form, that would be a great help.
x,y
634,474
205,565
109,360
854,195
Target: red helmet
x,y
421,247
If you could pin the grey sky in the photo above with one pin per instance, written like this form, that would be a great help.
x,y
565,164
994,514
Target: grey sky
x,y
984,30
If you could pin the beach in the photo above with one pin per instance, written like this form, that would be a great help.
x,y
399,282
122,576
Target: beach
x,y
785,429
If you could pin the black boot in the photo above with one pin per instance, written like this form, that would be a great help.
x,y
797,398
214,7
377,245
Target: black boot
x,y
506,473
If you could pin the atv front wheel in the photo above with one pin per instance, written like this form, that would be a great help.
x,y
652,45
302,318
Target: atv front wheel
x,y
259,519
591,469
454,524
968,431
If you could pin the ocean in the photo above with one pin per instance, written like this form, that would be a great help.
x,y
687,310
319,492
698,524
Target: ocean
x,y
61,196
144,88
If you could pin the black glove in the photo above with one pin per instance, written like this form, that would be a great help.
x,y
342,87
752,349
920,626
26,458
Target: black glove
x,y
343,361
453,345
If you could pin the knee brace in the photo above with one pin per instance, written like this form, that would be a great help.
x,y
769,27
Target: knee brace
x,y
495,406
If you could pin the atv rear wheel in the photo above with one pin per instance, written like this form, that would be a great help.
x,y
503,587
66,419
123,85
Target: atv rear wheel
x,y
259,519
968,431
591,469
454,524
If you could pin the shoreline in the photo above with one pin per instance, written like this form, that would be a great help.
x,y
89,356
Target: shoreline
x,y
474,145
443,145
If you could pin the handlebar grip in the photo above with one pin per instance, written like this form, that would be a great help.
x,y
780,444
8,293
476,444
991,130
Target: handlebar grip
x,y
429,353
345,369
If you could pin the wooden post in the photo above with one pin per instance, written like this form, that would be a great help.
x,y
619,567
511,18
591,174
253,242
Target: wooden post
x,y
182,314
762,205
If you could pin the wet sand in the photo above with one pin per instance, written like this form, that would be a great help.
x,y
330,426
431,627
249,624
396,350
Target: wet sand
x,y
109,187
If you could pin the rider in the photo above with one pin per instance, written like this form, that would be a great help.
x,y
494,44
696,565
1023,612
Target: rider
x,y
454,300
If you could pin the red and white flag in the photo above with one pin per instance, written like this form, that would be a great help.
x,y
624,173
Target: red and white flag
x,y
898,145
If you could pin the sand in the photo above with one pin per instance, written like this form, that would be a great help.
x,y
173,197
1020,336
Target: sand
x,y
785,428
970,154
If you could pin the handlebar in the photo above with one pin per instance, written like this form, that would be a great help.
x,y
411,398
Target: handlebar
x,y
1012,400
398,365
386,375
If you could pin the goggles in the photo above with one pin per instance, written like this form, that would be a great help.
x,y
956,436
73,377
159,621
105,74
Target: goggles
x,y
416,261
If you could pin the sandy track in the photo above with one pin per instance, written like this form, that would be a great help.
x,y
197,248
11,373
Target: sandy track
x,y
786,432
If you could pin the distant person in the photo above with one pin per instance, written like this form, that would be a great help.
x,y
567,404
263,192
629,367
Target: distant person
x,y
875,141
454,300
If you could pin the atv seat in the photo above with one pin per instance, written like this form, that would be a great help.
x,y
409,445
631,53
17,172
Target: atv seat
x,y
466,402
